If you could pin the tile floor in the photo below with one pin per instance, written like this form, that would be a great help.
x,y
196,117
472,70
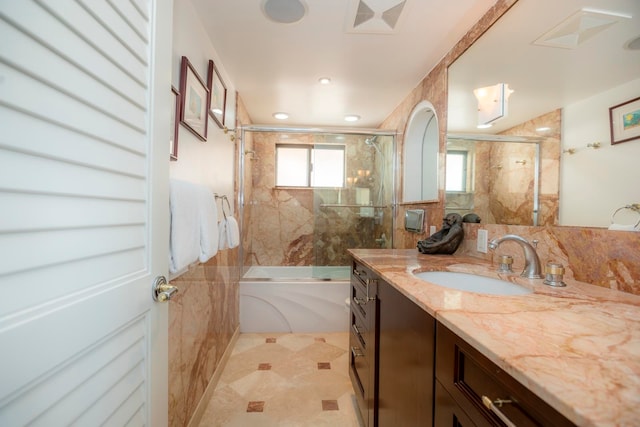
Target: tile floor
x,y
285,380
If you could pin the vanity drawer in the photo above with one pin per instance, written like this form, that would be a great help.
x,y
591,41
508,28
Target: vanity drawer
x,y
359,330
363,288
447,413
469,377
361,374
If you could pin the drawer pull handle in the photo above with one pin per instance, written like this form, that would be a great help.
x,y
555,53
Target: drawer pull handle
x,y
356,352
491,405
355,329
360,301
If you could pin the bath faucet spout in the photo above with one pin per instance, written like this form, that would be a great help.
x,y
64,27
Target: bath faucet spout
x,y
532,269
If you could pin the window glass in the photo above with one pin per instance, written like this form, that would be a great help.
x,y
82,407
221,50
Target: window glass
x,y
456,171
309,165
292,166
328,166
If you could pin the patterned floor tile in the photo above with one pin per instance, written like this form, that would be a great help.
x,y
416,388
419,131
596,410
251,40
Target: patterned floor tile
x,y
298,380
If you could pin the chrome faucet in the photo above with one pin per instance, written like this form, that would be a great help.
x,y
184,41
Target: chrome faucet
x,y
532,268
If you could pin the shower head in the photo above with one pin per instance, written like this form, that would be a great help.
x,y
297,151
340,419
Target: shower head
x,y
371,140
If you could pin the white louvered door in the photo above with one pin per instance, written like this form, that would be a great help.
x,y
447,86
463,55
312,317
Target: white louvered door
x,y
84,112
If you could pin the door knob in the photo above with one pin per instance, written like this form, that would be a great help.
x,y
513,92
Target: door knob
x,y
163,291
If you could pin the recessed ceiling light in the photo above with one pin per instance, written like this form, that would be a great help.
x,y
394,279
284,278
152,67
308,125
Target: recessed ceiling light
x,y
324,80
543,129
485,126
351,118
281,116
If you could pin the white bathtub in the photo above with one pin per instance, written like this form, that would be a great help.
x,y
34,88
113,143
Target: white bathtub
x,y
290,299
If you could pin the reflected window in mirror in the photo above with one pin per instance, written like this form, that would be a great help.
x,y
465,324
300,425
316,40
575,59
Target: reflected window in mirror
x,y
456,177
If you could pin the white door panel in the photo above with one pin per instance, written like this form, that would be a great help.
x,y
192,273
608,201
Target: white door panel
x,y
84,106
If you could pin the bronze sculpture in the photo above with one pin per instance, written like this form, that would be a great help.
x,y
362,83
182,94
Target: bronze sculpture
x,y
445,241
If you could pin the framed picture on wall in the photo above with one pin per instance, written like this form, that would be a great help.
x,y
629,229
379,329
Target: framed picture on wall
x,y
625,121
195,100
175,113
218,91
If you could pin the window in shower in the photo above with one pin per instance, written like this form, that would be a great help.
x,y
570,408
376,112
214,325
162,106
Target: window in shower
x,y
315,166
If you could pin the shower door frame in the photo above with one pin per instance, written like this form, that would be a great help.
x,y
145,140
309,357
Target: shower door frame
x,y
310,130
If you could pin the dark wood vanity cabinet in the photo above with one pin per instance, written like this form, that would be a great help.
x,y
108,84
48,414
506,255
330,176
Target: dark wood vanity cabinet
x,y
363,340
405,361
392,354
409,370
465,379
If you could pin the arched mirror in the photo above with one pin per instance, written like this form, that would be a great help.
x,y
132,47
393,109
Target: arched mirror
x,y
420,177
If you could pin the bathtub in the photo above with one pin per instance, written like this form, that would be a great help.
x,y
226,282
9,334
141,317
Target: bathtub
x,y
294,299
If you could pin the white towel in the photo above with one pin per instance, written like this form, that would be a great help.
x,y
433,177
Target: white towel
x,y
222,232
184,240
229,233
233,232
208,222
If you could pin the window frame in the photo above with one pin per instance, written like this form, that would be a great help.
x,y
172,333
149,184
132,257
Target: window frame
x,y
309,163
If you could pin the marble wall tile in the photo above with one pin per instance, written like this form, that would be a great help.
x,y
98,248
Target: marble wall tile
x,y
433,88
202,319
605,258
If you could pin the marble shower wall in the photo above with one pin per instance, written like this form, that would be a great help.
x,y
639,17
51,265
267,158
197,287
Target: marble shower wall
x,y
289,227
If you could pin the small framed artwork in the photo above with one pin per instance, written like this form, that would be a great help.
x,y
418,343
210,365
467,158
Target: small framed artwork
x,y
218,91
175,114
625,121
194,96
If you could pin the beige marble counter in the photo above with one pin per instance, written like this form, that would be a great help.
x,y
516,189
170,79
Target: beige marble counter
x,y
576,347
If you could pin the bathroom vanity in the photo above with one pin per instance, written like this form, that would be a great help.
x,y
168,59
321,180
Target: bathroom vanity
x,y
440,356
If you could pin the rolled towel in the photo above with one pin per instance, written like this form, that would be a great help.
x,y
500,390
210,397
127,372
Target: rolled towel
x,y
233,232
222,232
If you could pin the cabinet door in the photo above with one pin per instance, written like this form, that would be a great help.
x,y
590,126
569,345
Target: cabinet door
x,y
406,361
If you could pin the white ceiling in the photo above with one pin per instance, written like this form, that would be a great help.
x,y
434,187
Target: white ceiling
x,y
275,67
543,78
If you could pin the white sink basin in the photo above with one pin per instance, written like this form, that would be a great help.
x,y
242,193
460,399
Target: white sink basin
x,y
472,283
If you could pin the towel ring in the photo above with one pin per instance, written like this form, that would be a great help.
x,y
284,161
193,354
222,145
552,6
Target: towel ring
x,y
224,199
634,207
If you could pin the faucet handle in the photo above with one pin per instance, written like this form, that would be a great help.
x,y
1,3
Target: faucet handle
x,y
554,272
505,264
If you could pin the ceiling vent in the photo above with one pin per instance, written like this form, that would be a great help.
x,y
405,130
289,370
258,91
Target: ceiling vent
x,y
284,11
580,26
374,16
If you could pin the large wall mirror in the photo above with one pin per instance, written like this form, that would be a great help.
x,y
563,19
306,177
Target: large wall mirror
x,y
420,156
567,63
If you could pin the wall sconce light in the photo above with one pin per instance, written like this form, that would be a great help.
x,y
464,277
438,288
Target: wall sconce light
x,y
492,102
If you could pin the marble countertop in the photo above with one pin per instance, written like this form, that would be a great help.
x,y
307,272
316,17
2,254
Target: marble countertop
x,y
577,347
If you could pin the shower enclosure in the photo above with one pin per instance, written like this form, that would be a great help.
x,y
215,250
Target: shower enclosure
x,y
308,195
